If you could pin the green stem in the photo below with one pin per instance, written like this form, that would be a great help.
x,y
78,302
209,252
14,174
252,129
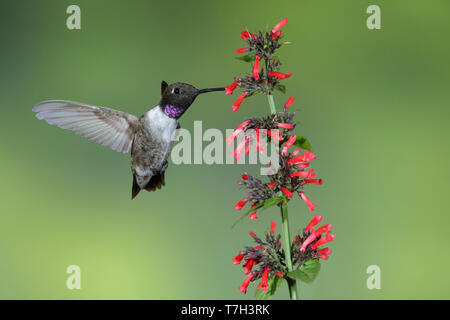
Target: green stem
x,y
271,104
292,283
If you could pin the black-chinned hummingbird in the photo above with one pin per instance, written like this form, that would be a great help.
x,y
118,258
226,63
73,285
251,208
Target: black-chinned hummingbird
x,y
149,137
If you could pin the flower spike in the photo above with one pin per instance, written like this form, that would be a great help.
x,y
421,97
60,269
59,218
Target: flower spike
x,y
291,172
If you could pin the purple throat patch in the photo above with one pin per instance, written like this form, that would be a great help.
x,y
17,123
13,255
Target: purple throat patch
x,y
172,111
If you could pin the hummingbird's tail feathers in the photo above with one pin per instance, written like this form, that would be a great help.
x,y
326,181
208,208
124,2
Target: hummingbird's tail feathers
x,y
135,188
156,182
108,127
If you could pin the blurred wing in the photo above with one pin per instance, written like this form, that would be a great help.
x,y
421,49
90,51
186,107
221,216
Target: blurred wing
x,y
108,127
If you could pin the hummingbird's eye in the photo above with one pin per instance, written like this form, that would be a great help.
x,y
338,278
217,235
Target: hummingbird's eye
x,y
176,91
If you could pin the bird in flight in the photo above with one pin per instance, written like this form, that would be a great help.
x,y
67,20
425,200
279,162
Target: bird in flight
x,y
150,137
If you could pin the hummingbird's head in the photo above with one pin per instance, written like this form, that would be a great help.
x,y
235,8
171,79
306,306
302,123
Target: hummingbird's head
x,y
177,97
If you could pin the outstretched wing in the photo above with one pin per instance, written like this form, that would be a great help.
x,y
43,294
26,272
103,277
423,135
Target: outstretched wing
x,y
108,127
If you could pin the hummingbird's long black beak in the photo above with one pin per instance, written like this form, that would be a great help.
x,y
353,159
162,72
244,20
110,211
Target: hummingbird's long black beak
x,y
209,90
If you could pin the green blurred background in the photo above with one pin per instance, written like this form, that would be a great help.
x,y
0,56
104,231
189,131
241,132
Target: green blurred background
x,y
374,104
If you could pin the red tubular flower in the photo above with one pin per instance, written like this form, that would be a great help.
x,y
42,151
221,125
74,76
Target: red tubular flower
x,y
264,284
279,75
241,50
271,185
276,35
249,265
307,201
272,227
308,156
289,102
257,247
279,25
244,177
288,144
305,157
304,174
240,204
258,140
251,233
245,35
315,238
243,287
259,146
324,253
284,125
237,259
312,181
279,274
286,192
295,160
236,132
230,88
253,216
275,134
308,240
296,152
325,228
237,152
323,256
247,149
256,68
238,102
323,240
313,222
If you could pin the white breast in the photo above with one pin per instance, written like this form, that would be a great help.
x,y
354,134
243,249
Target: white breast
x,y
160,125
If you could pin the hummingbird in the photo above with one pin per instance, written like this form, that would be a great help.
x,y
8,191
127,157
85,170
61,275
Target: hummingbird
x,y
150,137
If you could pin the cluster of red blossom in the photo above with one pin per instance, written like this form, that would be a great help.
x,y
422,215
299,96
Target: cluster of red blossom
x,y
263,46
275,126
263,261
306,245
293,173
266,260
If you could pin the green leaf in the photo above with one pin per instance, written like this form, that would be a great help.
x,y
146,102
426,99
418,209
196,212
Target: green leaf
x,y
303,143
280,87
262,205
271,202
273,284
307,272
249,57
252,93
